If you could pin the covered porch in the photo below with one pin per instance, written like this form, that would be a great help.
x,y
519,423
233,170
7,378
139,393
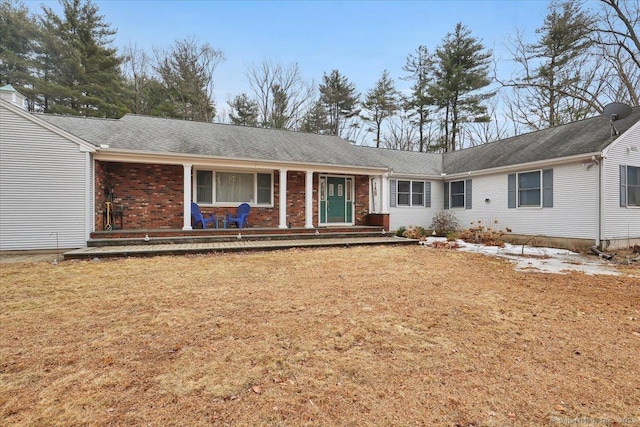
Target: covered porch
x,y
136,196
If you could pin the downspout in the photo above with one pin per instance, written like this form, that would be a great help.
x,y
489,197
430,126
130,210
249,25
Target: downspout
x,y
600,203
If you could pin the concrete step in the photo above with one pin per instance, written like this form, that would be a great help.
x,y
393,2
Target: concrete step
x,y
239,245
247,236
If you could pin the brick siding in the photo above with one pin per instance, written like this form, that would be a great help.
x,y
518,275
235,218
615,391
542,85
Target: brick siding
x,y
151,197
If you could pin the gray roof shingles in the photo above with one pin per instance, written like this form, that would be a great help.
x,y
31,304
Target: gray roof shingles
x,y
160,135
582,137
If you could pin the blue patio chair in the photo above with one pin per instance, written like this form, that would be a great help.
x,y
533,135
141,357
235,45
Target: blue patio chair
x,y
197,216
241,217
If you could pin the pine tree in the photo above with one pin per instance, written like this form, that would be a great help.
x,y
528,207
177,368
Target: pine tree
x,y
461,71
563,39
244,111
79,72
340,99
380,103
18,33
315,121
420,69
187,73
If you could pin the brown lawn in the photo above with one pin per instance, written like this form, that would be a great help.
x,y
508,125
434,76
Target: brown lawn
x,y
359,336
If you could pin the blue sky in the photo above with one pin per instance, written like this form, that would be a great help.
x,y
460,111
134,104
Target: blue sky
x,y
358,38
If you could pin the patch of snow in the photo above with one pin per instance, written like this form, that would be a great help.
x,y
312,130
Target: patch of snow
x,y
546,260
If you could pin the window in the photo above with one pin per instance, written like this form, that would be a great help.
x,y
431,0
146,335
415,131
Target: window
x,y
629,185
264,189
204,186
457,194
417,193
410,193
404,193
529,189
233,188
532,189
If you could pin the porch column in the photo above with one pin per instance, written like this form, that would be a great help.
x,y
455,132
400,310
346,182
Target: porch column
x,y
308,200
283,199
187,197
384,194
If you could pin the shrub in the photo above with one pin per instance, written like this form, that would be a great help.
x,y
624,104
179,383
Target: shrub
x,y
444,222
483,234
415,232
452,236
400,231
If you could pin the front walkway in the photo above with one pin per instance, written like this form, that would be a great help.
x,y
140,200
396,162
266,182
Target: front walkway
x,y
233,246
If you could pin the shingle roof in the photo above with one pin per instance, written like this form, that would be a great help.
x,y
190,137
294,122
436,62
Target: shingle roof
x,y
404,162
581,137
153,134
159,135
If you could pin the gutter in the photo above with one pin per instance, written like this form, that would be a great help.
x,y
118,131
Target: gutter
x,y
533,165
107,154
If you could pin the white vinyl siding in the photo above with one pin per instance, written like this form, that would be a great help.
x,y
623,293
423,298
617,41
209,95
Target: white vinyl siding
x,y
621,225
44,187
417,215
574,213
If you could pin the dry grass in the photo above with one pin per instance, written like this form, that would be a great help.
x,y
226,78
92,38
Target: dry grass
x,y
359,336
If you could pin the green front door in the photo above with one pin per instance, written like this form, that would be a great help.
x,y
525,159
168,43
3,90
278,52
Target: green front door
x,y
336,193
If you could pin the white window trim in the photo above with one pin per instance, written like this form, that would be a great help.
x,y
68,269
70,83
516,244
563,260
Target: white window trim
x,y
540,189
464,195
232,204
628,206
410,181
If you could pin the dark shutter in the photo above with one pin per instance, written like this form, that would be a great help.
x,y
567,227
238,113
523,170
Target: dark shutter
x,y
392,193
511,190
623,186
547,188
427,194
446,195
467,197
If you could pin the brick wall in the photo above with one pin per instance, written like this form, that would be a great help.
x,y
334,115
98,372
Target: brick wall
x,y
362,199
151,197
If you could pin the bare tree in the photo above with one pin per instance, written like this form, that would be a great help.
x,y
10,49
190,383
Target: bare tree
x,y
282,95
485,131
616,34
401,133
582,60
137,69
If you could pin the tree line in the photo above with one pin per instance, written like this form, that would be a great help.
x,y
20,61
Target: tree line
x,y
581,60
